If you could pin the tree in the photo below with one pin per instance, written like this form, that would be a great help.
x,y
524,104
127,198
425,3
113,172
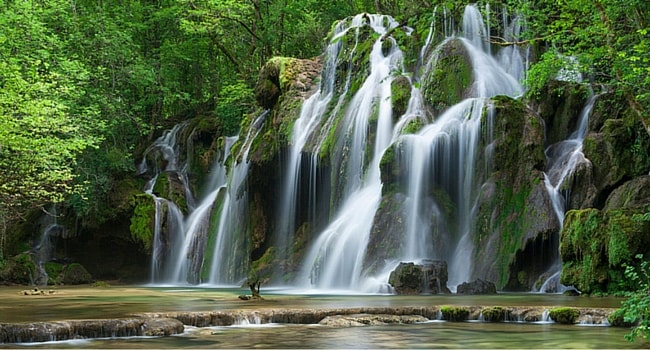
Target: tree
x,y
610,40
635,309
44,122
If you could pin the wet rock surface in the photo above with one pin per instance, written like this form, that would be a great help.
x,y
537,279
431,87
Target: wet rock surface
x,y
370,320
478,286
165,324
428,277
83,329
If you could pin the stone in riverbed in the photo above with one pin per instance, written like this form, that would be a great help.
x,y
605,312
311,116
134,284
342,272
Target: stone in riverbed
x,y
370,320
428,277
478,286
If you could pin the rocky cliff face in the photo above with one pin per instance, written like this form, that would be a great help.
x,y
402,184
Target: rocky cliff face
x,y
514,230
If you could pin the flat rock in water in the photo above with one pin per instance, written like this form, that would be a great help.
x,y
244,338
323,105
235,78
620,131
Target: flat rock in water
x,y
370,320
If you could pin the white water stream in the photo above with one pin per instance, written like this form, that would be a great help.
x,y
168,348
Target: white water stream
x,y
447,147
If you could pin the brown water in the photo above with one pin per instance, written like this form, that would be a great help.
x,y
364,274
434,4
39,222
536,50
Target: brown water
x,y
111,302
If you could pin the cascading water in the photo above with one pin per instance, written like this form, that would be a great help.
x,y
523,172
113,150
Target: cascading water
x,y
336,257
563,159
310,117
179,240
443,152
351,119
227,266
44,251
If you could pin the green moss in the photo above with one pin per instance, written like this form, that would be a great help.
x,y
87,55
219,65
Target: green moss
x,y
100,284
413,126
19,270
75,273
513,226
53,270
595,246
262,268
400,95
454,313
447,82
494,314
143,220
215,215
565,315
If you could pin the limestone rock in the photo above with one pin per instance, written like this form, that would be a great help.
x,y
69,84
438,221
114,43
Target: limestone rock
x,y
559,105
75,274
449,79
478,286
632,194
429,277
370,320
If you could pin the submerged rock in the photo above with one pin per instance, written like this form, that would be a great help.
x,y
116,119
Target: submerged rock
x,y
370,320
429,277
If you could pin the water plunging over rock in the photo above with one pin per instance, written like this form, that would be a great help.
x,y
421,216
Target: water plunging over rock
x,y
370,165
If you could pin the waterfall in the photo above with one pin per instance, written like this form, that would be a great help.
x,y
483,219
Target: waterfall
x,y
562,160
311,113
335,258
443,152
347,124
228,265
179,239
43,252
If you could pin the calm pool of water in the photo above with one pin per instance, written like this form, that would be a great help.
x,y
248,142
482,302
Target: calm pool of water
x,y
442,335
112,302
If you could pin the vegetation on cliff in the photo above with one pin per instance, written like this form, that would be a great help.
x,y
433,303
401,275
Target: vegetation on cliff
x,y
85,86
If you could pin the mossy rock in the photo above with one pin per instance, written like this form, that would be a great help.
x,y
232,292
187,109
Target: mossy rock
x,y
283,85
262,268
565,315
413,126
143,220
596,245
632,194
400,95
449,79
559,105
617,319
74,273
455,313
515,212
53,270
494,314
281,74
620,151
18,270
385,241
390,171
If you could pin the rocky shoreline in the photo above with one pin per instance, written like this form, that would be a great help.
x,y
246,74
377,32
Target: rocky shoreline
x,y
170,323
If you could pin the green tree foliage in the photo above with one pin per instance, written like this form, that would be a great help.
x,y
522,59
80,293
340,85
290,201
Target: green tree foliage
x,y
45,122
635,309
609,40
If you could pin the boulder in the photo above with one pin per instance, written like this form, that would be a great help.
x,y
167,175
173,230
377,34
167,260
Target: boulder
x,y
448,80
75,274
429,277
478,286
633,194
